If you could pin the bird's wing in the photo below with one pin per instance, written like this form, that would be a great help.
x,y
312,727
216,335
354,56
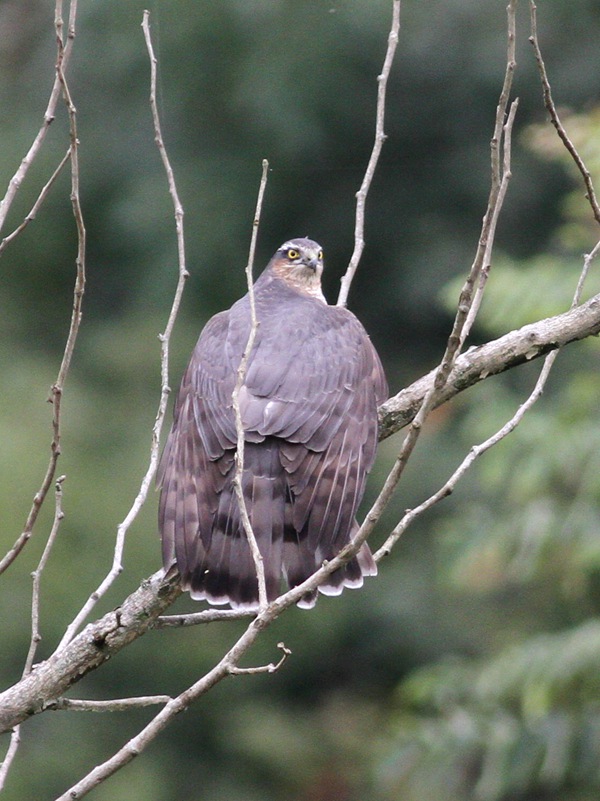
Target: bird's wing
x,y
317,388
304,373
198,453
313,382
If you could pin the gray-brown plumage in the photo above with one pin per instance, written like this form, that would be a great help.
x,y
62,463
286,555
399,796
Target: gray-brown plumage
x,y
309,411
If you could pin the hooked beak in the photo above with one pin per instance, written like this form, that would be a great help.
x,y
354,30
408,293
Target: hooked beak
x,y
312,263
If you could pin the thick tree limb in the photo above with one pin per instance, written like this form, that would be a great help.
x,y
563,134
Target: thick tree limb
x,y
138,613
517,347
97,643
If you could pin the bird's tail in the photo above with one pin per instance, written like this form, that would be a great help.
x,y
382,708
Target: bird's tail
x,y
299,564
227,573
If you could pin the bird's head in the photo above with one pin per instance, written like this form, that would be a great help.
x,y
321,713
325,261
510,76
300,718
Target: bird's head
x,y
299,262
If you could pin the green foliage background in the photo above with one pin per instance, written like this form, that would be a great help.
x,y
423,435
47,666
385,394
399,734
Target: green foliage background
x,y
468,669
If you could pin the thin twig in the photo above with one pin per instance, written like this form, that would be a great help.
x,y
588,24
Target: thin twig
x,y
57,389
64,53
35,611
165,338
35,639
587,263
112,705
38,203
474,453
272,667
380,137
477,450
503,179
555,119
58,386
235,397
11,752
465,304
37,576
227,666
207,616
500,155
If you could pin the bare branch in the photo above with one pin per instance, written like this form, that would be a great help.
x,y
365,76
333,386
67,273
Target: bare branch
x,y
501,179
270,668
137,614
64,54
35,619
474,453
179,213
37,575
58,386
478,363
11,752
197,618
555,119
469,303
235,397
587,263
38,203
98,642
114,705
380,137
79,290
434,390
227,666
477,450
165,338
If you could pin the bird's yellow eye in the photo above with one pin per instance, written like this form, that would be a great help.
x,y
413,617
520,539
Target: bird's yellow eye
x,y
293,254
320,256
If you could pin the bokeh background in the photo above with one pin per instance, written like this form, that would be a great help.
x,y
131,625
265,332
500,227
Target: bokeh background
x,y
469,669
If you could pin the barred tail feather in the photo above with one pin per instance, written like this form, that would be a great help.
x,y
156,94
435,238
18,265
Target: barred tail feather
x,y
227,573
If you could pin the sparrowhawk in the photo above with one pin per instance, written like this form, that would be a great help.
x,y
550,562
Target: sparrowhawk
x,y
308,404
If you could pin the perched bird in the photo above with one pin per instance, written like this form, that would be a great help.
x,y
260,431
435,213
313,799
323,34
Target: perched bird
x,y
308,404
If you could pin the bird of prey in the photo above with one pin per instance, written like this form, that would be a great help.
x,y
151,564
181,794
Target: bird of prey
x,y
308,405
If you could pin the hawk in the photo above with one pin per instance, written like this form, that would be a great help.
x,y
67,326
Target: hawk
x,y
308,405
